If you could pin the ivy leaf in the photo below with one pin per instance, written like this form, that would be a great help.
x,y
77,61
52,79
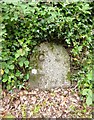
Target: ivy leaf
x,y
5,78
21,63
87,91
89,75
90,92
89,100
11,67
20,52
85,7
17,55
18,73
27,77
6,70
26,63
80,48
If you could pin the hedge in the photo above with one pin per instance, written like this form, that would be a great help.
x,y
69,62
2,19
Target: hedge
x,y
25,25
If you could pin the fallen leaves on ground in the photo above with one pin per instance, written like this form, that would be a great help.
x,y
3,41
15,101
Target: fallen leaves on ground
x,y
36,103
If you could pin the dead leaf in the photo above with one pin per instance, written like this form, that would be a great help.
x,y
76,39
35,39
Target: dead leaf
x,y
16,103
21,93
25,92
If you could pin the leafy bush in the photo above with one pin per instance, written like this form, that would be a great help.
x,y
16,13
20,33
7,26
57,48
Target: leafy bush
x,y
26,25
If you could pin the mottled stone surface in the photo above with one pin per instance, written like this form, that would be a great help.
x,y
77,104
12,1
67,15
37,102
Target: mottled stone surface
x,y
51,64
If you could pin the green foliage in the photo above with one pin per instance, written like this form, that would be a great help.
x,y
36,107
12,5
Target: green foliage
x,y
36,109
26,25
9,116
23,109
88,94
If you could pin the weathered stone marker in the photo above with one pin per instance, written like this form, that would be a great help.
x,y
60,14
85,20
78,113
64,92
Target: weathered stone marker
x,y
51,65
